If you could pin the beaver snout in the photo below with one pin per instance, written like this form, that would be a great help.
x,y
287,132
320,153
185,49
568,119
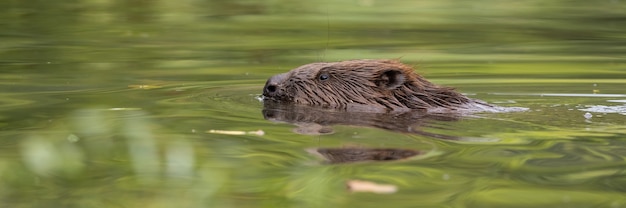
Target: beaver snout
x,y
273,86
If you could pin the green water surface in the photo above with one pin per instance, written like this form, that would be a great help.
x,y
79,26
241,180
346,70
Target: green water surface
x,y
154,103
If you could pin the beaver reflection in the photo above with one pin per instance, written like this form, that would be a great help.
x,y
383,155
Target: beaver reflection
x,y
356,154
316,121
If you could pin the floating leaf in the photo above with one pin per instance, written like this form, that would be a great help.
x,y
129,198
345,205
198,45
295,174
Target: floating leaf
x,y
367,186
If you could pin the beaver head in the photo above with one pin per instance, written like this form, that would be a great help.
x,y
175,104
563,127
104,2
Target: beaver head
x,y
363,85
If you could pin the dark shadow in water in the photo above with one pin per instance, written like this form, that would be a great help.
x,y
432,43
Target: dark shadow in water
x,y
358,154
316,121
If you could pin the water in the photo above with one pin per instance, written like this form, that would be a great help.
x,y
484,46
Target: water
x,y
155,104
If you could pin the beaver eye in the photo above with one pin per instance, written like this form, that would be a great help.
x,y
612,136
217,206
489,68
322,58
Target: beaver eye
x,y
323,77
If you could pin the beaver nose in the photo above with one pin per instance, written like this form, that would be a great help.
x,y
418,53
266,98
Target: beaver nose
x,y
273,85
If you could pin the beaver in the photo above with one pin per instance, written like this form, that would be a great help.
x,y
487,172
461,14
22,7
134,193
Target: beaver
x,y
366,85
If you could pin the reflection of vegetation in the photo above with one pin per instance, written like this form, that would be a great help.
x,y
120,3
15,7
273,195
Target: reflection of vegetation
x,y
113,159
280,30
126,155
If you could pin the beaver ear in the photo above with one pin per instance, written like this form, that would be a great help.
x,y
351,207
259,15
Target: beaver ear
x,y
391,79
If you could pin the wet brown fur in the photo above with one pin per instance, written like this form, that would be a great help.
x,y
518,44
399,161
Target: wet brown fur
x,y
363,85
